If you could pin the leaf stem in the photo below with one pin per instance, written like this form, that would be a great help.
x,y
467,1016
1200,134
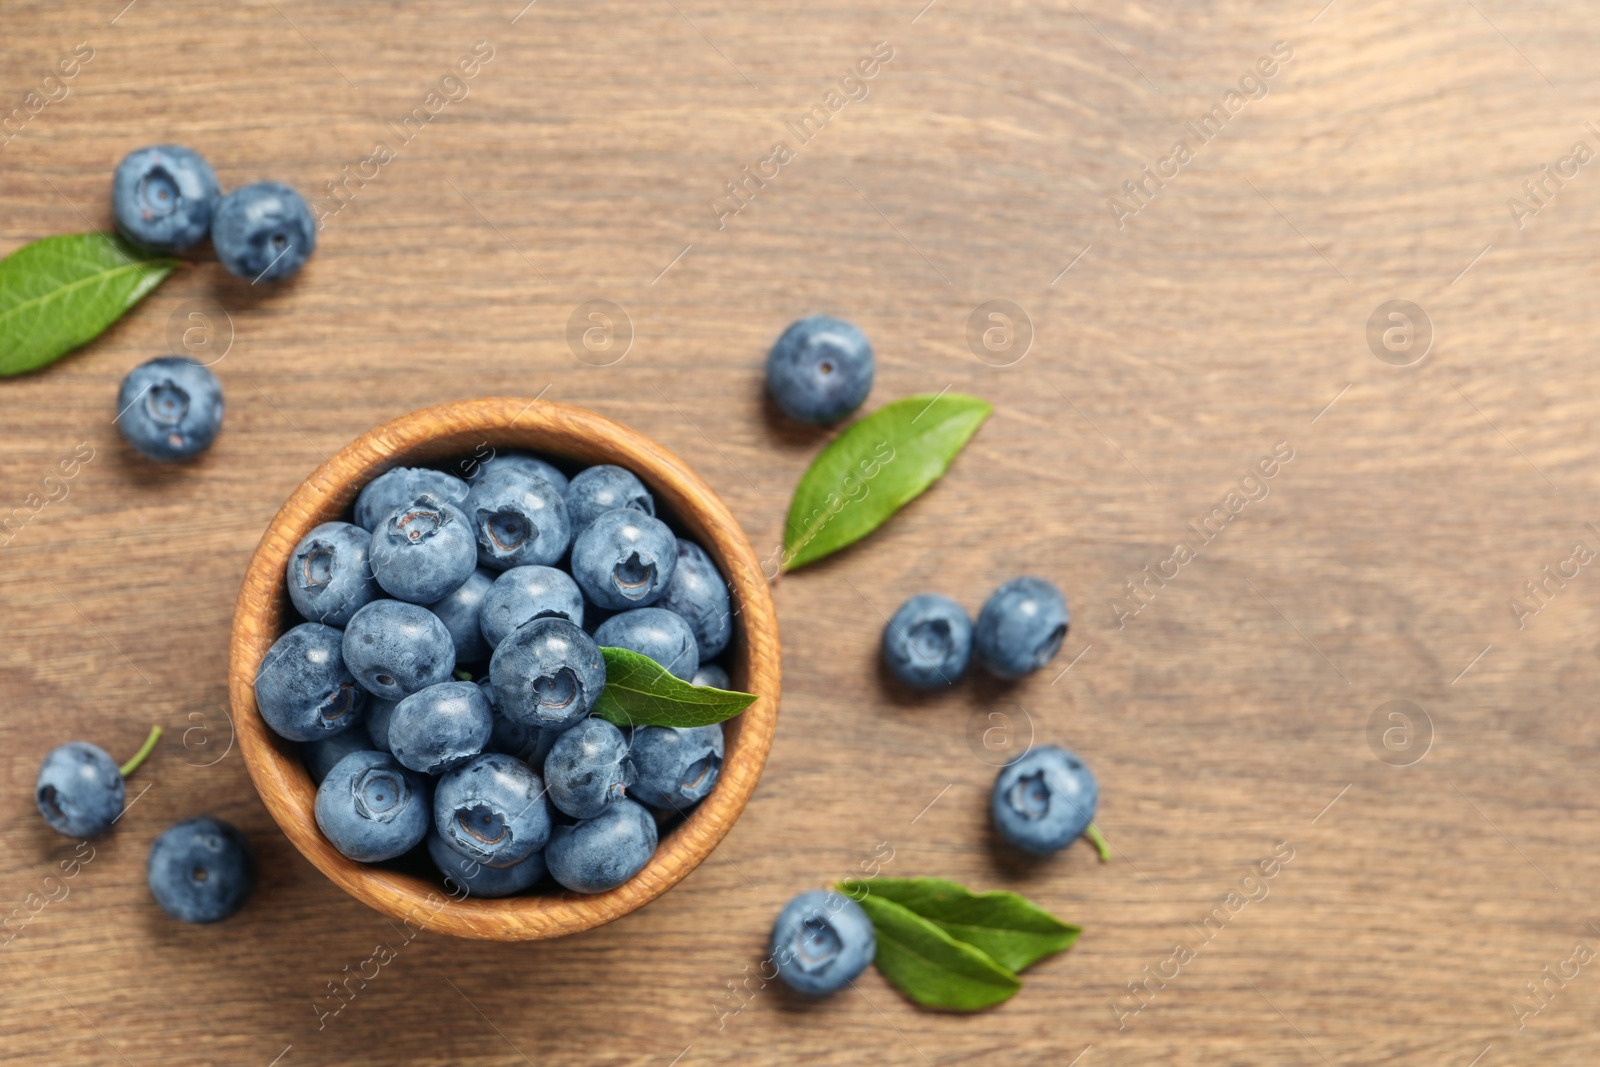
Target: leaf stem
x,y
1093,834
140,756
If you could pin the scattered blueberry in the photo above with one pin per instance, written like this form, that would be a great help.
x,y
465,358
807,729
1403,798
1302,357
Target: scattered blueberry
x,y
518,519
492,809
170,408
395,649
1044,800
624,559
304,688
481,880
588,768
440,727
1021,627
698,593
460,613
329,576
200,871
423,550
822,941
520,461
601,853
523,594
548,673
712,675
928,642
399,486
662,635
80,789
597,490
820,369
674,768
371,808
263,232
163,197
379,712
320,756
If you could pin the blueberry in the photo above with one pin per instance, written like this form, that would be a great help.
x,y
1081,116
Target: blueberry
x,y
518,519
460,611
399,486
1021,627
304,688
523,594
655,632
321,755
423,550
624,559
164,197
601,853
80,789
822,941
698,593
440,727
371,808
597,490
1044,800
329,576
530,744
480,880
492,809
820,369
711,675
547,673
588,768
520,461
928,642
674,768
263,232
379,712
395,649
200,871
170,409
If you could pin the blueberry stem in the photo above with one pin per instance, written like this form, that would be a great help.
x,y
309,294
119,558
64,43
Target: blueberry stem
x,y
465,676
1093,834
139,757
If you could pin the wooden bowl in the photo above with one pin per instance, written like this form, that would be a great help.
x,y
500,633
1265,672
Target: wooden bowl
x,y
462,429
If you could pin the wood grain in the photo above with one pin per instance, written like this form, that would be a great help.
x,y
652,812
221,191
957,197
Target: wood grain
x,y
1227,315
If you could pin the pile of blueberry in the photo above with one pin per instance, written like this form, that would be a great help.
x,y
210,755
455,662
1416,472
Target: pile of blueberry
x,y
442,684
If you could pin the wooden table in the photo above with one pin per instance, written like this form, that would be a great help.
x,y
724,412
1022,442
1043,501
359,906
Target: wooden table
x,y
1159,346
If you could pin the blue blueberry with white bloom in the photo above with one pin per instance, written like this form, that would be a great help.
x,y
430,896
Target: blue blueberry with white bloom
x,y
399,486
379,712
479,879
329,575
601,853
164,197
423,550
492,809
321,755
200,871
547,673
928,642
523,594
395,649
170,409
655,632
820,369
304,688
519,520
698,592
597,490
822,941
79,790
588,768
263,232
440,727
371,808
673,767
1044,800
461,611
713,676
624,559
520,461
1021,627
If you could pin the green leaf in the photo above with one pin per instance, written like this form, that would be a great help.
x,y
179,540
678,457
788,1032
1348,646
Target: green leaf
x,y
640,692
930,966
61,292
1010,929
873,469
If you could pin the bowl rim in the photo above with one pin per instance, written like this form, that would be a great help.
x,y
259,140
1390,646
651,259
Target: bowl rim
x,y
566,432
